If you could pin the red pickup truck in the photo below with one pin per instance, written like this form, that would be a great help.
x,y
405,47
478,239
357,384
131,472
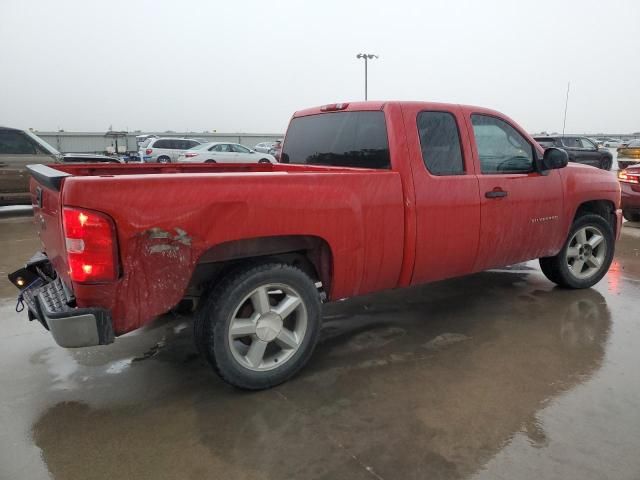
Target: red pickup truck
x,y
369,196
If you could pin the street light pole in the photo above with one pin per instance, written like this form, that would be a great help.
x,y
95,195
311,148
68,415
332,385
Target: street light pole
x,y
367,57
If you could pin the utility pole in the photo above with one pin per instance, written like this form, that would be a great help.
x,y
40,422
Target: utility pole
x,y
566,104
367,57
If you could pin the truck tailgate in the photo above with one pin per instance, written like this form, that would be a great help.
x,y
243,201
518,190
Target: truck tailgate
x,y
46,197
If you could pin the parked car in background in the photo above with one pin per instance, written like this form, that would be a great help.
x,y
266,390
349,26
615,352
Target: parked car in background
x,y
19,148
580,150
165,150
612,142
264,147
141,139
629,154
223,152
276,149
630,189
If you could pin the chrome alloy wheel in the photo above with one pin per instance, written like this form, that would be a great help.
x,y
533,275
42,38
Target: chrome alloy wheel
x,y
268,327
586,252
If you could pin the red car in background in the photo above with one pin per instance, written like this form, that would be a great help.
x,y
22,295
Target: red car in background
x,y
630,187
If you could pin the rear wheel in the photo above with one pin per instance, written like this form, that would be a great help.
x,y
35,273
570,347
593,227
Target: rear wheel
x,y
631,216
210,161
605,163
260,325
586,255
164,159
264,160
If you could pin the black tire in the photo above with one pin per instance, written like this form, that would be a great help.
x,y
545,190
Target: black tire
x,y
606,163
264,160
212,323
210,161
557,268
631,216
164,159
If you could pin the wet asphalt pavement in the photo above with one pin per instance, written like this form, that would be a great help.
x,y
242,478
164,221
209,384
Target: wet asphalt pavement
x,y
495,375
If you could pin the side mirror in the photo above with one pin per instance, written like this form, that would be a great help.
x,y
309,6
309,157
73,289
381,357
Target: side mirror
x,y
554,158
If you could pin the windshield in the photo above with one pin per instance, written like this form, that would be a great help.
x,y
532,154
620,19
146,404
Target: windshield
x,y
44,145
344,139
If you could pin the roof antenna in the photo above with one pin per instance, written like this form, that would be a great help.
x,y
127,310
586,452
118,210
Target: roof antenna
x,y
566,104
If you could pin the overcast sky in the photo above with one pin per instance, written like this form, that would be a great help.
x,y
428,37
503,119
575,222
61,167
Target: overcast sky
x,y
247,65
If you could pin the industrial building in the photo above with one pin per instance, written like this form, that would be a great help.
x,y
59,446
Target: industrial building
x,y
96,142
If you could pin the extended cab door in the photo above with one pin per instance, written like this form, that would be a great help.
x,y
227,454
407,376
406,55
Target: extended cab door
x,y
521,209
588,152
447,201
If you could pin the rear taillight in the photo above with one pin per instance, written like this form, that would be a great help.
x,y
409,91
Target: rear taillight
x,y
190,155
148,151
91,246
626,177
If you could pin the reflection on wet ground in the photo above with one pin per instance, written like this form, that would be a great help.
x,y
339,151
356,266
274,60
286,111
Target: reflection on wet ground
x,y
496,375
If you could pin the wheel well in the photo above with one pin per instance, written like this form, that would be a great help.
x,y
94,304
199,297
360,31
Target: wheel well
x,y
309,253
604,208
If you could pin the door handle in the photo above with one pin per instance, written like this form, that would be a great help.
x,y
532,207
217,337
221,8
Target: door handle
x,y
496,193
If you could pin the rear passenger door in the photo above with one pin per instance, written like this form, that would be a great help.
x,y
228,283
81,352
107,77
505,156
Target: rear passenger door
x,y
588,152
222,153
572,147
447,199
521,209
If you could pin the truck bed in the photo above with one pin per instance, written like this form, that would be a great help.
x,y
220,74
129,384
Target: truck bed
x,y
170,219
87,170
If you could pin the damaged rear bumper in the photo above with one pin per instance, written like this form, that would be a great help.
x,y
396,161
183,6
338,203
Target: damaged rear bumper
x,y
52,305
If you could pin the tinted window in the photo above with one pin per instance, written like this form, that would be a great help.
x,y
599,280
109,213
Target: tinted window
x,y
162,144
546,142
191,144
440,142
344,139
570,142
500,147
221,147
17,143
586,143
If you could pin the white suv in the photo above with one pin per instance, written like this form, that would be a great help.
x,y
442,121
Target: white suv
x,y
165,150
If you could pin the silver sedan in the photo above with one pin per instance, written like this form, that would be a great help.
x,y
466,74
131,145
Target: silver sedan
x,y
222,152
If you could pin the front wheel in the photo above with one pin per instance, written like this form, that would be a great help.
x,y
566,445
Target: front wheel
x,y
264,160
586,255
605,164
260,325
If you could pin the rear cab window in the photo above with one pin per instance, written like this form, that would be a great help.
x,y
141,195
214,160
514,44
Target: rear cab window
x,y
340,139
